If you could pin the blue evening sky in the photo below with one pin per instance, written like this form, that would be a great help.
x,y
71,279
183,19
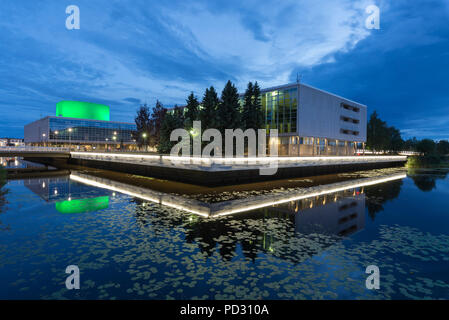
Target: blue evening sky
x,y
129,52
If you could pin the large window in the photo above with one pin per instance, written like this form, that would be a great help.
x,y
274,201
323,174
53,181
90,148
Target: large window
x,y
90,131
280,109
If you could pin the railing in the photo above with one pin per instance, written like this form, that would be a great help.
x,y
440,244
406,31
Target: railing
x,y
33,149
402,153
213,162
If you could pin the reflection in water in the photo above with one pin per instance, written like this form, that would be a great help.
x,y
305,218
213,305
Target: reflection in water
x,y
266,230
425,179
288,249
379,195
69,196
3,193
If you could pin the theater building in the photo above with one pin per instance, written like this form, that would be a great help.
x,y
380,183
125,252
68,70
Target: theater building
x,y
82,126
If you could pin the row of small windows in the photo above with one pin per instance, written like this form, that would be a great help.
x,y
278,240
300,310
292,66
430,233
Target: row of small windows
x,y
351,120
351,132
349,107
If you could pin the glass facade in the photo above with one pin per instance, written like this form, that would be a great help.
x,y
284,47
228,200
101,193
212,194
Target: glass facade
x,y
90,131
280,109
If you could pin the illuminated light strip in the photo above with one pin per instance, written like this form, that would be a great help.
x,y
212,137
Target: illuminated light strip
x,y
241,159
130,193
315,194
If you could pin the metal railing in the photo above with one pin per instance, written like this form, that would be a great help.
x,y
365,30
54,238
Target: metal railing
x,y
33,149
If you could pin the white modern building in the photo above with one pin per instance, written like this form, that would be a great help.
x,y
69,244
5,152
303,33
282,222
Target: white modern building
x,y
311,121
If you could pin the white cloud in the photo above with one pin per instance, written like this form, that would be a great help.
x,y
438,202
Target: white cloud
x,y
298,34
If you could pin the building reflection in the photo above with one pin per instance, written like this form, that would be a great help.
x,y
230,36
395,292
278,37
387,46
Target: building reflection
x,y
294,230
69,196
335,215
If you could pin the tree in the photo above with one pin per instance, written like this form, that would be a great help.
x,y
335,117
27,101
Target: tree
x,y
208,113
157,117
144,126
410,144
380,137
257,106
443,147
395,140
171,122
247,109
426,146
228,112
192,112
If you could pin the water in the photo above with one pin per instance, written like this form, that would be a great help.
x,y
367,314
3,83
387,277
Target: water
x,y
317,247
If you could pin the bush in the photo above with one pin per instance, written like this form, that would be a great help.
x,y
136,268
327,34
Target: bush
x,y
428,160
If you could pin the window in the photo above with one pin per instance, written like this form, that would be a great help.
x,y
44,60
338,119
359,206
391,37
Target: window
x,y
349,107
348,119
350,132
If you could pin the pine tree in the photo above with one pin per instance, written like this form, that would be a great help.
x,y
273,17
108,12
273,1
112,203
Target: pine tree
x,y
208,113
144,126
192,112
247,107
259,120
171,122
157,117
228,113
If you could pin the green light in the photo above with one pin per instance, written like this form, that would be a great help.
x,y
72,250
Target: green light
x,y
82,110
82,205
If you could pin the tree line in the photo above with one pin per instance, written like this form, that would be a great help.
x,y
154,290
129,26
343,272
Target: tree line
x,y
383,138
219,112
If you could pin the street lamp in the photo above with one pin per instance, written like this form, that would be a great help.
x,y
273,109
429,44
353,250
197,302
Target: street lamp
x,y
70,138
43,139
144,135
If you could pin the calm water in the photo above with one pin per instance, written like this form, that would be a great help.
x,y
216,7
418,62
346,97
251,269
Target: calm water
x,y
314,248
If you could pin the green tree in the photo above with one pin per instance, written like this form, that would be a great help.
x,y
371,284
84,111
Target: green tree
x,y
443,147
228,112
144,126
395,140
426,146
247,109
192,112
380,137
172,121
410,144
157,117
257,106
208,113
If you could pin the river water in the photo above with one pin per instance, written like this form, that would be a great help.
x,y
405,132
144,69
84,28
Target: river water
x,y
301,239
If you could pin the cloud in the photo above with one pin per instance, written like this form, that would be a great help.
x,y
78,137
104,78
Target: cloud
x,y
138,51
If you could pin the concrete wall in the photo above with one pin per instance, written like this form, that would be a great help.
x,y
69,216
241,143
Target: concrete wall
x,y
320,112
33,131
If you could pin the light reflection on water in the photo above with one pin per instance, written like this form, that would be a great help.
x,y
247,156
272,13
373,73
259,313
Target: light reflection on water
x,y
316,247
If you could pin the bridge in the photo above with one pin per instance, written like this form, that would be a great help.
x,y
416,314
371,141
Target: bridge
x,y
34,152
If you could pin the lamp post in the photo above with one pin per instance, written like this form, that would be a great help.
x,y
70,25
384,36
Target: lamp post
x,y
144,136
43,139
114,138
70,138
56,134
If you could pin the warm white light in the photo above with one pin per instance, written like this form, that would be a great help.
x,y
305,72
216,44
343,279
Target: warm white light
x,y
313,194
133,194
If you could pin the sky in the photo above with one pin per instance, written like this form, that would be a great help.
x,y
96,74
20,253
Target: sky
x,y
131,52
